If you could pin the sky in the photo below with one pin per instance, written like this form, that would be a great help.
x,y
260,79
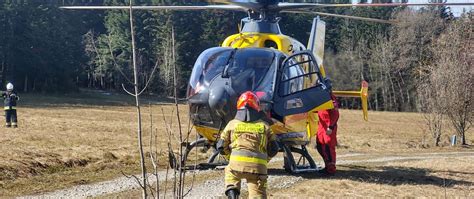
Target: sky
x,y
457,10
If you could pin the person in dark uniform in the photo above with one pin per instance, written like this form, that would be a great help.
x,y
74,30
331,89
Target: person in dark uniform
x,y
10,99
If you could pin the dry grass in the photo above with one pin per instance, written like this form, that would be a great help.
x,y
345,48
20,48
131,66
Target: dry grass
x,y
69,140
450,177
386,132
72,141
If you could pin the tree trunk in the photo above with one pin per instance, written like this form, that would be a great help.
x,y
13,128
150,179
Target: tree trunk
x,y
463,137
3,73
437,140
25,87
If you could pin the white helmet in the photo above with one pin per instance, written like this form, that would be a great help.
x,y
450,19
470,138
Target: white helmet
x,y
9,86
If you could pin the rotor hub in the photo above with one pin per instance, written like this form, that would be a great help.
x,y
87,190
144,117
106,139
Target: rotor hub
x,y
256,5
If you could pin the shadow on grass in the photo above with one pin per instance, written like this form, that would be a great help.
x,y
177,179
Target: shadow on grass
x,y
384,175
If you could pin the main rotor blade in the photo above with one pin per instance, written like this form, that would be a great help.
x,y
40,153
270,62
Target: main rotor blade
x,y
208,7
286,6
341,16
255,5
244,5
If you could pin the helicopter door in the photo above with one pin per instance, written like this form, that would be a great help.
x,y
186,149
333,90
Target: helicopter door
x,y
299,86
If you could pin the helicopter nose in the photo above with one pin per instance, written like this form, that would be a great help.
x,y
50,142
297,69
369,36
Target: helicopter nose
x,y
218,100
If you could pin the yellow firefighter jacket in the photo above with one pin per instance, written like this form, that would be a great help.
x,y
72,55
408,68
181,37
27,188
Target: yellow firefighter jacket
x,y
246,143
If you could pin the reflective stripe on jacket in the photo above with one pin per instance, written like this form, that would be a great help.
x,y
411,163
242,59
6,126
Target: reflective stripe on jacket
x,y
9,108
246,142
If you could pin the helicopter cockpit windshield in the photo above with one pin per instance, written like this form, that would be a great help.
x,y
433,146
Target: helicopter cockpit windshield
x,y
209,64
247,69
251,69
221,74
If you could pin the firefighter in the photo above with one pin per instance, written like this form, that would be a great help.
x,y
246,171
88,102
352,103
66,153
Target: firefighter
x,y
326,139
250,143
10,98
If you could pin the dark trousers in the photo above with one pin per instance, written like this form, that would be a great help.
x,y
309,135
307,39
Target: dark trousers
x,y
11,116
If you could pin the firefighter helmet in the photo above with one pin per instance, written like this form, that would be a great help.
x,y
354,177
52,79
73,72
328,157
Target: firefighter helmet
x,y
248,100
9,86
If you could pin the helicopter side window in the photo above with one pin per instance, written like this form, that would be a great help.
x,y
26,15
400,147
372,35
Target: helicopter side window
x,y
299,73
270,44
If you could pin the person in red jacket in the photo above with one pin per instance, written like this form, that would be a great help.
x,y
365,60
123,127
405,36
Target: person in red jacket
x,y
326,139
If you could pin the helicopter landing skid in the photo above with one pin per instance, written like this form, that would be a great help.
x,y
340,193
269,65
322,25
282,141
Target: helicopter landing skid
x,y
303,164
213,162
206,166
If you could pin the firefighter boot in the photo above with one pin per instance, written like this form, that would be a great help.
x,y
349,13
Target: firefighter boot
x,y
232,193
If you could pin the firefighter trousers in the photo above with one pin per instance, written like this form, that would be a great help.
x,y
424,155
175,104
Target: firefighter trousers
x,y
11,117
256,183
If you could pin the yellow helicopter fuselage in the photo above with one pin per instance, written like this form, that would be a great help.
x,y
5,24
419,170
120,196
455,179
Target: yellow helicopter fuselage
x,y
283,43
304,124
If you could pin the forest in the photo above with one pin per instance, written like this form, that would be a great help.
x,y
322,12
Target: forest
x,y
46,49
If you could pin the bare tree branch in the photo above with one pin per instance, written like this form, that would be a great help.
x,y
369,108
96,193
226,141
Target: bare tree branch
x,y
128,92
134,177
115,62
150,78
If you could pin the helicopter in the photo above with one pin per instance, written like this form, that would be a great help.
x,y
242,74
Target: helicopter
x,y
288,77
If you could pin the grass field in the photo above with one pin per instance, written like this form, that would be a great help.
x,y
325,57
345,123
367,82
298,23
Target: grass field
x,y
447,178
90,137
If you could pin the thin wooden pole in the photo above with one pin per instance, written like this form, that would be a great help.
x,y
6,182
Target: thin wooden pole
x,y
137,103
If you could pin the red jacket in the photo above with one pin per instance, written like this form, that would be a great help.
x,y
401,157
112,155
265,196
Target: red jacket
x,y
328,118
